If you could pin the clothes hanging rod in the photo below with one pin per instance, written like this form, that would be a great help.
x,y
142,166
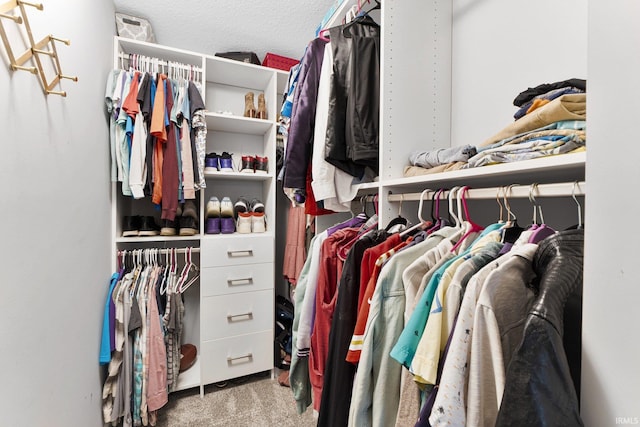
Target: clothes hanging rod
x,y
565,189
161,251
158,61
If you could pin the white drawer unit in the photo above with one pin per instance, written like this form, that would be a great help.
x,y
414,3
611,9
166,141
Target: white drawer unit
x,y
236,356
234,279
236,314
237,250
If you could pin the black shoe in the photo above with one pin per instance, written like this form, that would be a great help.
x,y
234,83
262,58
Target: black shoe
x,y
190,209
131,225
148,227
168,228
188,226
262,164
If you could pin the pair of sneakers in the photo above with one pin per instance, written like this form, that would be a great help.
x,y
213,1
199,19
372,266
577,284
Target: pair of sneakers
x,y
220,216
254,164
250,216
214,162
185,223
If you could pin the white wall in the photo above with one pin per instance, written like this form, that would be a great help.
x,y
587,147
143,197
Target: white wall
x,y
502,47
611,341
54,257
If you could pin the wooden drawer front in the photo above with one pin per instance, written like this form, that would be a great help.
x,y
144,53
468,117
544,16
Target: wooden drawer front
x,y
237,250
237,356
236,314
234,279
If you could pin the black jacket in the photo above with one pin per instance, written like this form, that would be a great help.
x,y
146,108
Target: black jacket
x,y
539,388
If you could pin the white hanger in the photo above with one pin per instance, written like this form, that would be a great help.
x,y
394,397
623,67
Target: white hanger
x,y
453,193
420,219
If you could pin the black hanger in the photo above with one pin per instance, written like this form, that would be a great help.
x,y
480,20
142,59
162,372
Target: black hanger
x,y
511,234
399,220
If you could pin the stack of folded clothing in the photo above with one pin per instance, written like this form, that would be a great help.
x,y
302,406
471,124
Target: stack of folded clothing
x,y
551,120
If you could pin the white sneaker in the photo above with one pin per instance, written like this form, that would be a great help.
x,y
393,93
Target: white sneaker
x,y
226,207
244,223
213,207
258,222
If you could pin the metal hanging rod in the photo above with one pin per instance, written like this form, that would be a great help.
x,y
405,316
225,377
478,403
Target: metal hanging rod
x,y
161,251
565,189
157,61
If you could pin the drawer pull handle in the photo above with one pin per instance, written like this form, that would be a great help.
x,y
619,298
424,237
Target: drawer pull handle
x,y
240,253
248,314
246,356
243,281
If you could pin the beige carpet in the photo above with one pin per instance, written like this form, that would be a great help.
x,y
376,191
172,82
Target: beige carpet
x,y
253,401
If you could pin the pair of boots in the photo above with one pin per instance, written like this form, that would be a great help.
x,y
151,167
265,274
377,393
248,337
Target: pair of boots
x,y
250,108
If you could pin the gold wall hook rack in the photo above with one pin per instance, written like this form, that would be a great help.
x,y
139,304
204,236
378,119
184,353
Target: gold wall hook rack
x,y
46,47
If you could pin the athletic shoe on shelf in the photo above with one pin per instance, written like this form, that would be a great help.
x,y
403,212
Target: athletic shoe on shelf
x,y
211,163
148,227
244,222
168,228
258,222
262,164
257,206
226,162
226,208
131,225
213,226
190,209
188,226
241,205
248,164
213,207
227,225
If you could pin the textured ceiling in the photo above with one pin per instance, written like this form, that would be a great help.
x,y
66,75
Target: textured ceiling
x,y
283,27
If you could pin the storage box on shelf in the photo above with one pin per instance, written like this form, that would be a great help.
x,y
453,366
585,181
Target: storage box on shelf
x,y
231,308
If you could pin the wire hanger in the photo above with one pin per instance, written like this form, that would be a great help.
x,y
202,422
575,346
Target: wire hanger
x,y
498,193
573,196
541,230
511,230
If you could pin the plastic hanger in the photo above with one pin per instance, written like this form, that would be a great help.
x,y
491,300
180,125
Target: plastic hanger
x,y
399,220
324,35
421,221
452,214
191,269
475,228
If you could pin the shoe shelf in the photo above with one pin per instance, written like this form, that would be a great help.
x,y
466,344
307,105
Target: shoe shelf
x,y
144,239
189,378
237,124
236,73
239,176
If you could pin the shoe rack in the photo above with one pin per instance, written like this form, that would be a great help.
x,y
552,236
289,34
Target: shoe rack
x,y
230,311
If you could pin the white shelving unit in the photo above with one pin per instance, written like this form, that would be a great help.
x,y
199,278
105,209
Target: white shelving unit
x,y
418,110
229,313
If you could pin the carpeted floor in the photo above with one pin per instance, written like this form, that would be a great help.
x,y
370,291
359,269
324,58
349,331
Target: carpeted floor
x,y
252,401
